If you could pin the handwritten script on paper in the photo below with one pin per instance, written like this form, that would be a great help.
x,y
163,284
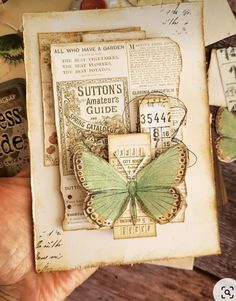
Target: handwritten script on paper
x,y
49,249
177,17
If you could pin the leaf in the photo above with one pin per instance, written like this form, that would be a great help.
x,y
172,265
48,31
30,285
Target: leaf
x,y
11,48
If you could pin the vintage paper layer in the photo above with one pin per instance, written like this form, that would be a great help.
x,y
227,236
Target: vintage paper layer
x,y
215,87
89,248
227,66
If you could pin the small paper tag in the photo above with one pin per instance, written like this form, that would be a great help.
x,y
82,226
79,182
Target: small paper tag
x,y
227,66
124,228
155,118
130,153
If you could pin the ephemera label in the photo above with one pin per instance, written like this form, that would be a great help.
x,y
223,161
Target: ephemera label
x,y
227,65
51,156
129,154
89,111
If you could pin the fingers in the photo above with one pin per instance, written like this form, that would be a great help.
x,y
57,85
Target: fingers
x,y
85,274
77,277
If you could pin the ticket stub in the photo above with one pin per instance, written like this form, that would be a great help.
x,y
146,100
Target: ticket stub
x,y
227,66
155,118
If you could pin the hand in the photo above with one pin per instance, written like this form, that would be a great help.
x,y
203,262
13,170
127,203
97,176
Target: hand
x,y
18,279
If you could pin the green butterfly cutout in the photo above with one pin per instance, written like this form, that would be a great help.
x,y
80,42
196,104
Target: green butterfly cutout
x,y
154,188
11,48
226,129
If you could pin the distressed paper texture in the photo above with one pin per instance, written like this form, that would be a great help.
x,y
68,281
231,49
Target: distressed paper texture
x,y
134,151
50,136
91,248
163,55
227,66
113,36
45,41
92,99
182,263
219,21
74,217
215,87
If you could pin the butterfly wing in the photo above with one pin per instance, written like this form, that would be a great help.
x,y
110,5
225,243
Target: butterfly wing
x,y
226,128
161,204
225,123
226,149
157,191
106,187
103,209
167,169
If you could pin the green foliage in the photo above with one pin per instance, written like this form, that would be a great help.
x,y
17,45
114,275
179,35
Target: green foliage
x,y
11,48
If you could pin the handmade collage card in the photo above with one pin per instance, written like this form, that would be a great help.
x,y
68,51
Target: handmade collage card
x,y
121,158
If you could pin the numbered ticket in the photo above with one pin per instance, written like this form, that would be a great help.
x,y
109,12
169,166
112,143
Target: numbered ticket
x,y
227,66
155,118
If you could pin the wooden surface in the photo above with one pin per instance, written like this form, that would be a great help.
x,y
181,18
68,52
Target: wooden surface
x,y
147,282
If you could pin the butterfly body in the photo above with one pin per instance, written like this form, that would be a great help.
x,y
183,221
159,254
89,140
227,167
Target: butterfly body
x,y
132,190
154,188
132,187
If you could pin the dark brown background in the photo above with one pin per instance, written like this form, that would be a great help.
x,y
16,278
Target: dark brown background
x,y
154,283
